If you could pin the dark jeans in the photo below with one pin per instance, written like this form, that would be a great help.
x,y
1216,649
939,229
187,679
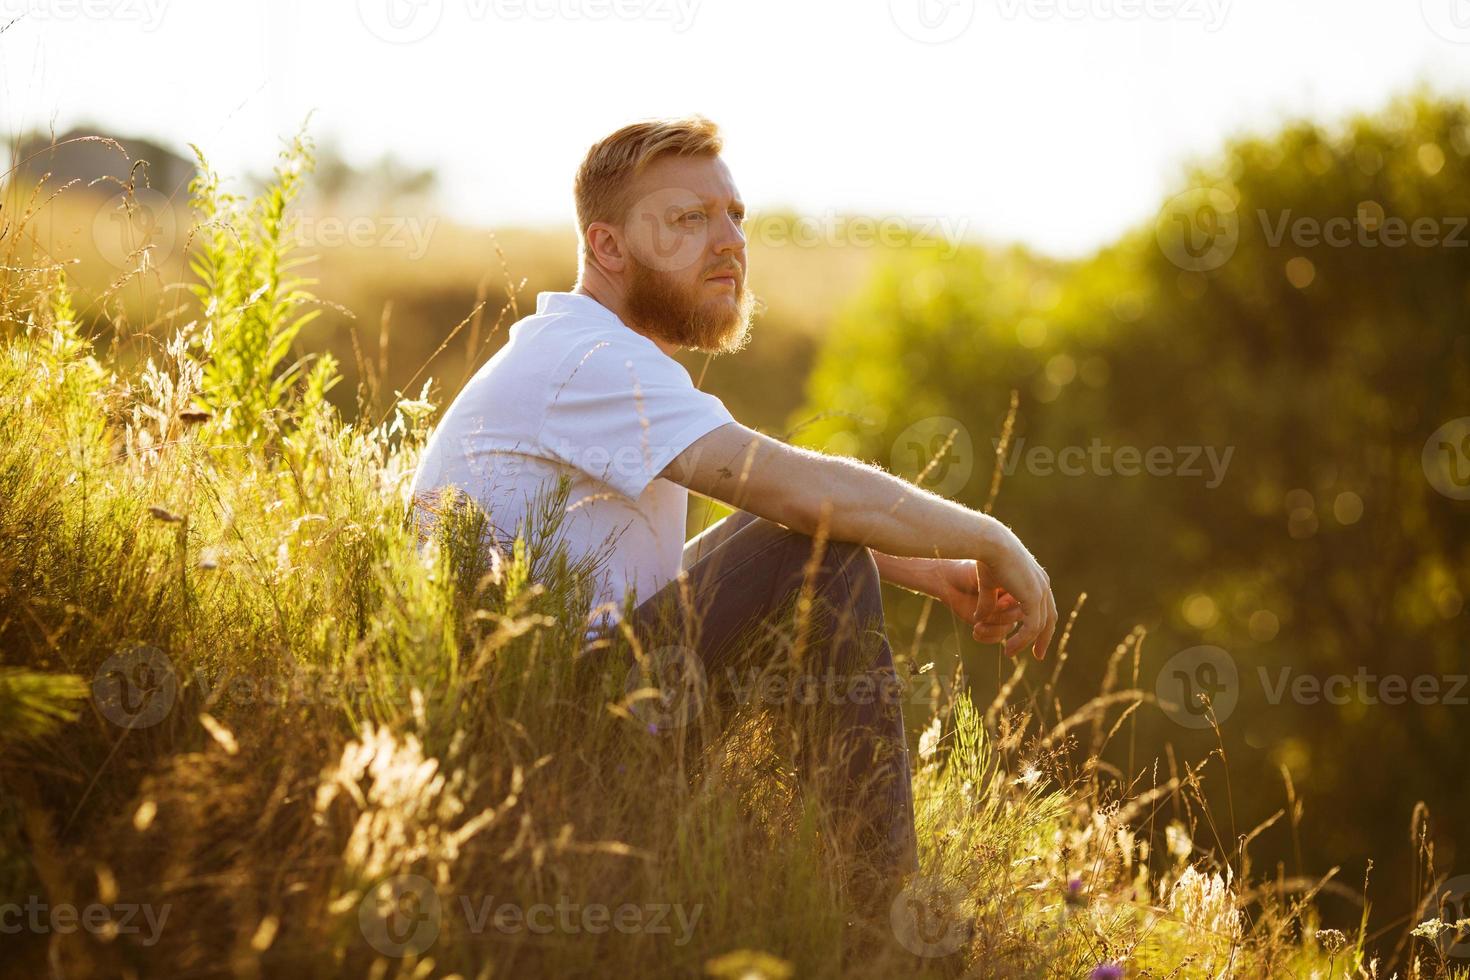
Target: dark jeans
x,y
741,574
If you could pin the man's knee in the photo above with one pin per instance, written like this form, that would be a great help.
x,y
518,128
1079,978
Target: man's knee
x,y
836,558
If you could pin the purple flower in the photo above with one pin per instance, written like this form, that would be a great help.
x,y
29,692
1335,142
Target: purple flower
x,y
1107,971
1074,894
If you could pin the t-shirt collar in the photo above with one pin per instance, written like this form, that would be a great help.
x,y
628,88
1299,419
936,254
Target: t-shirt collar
x,y
573,303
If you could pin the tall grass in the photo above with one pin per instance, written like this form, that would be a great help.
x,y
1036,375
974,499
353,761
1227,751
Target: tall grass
x,y
240,694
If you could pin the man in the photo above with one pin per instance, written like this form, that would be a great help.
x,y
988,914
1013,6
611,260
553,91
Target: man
x,y
586,392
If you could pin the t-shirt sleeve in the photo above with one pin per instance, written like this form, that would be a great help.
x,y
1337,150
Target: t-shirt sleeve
x,y
620,412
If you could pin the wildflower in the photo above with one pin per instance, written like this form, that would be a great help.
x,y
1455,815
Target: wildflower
x,y
1331,941
1074,895
1430,929
929,741
1107,971
1029,778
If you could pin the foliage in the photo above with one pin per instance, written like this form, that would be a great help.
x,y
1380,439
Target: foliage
x,y
1315,353
359,715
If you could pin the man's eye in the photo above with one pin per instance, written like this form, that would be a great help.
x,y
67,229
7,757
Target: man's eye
x,y
739,216
692,217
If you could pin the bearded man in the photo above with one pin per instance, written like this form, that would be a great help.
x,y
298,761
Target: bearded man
x,y
586,394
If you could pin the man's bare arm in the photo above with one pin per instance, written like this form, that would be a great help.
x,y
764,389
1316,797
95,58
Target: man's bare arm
x,y
855,502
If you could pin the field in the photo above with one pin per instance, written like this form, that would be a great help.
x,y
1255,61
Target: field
x,y
252,727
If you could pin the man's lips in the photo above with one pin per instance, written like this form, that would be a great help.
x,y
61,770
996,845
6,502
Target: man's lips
x,y
724,279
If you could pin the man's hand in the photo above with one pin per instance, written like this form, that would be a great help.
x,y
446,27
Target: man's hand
x,y
970,589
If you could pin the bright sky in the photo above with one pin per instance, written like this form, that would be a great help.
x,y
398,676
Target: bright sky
x,y
1054,122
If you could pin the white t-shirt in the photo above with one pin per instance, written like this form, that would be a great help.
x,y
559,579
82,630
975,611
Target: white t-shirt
x,y
575,391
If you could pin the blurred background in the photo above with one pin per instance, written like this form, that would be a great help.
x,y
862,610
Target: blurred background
x,y
1217,251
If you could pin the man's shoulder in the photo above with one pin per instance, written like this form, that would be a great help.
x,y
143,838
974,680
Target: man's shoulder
x,y
592,349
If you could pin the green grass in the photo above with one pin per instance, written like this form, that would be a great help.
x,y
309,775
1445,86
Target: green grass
x,y
352,721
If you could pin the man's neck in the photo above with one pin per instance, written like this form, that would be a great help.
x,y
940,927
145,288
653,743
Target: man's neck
x,y
603,293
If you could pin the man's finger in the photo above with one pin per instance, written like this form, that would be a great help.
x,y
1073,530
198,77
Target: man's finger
x,y
991,634
1004,616
1044,640
1026,635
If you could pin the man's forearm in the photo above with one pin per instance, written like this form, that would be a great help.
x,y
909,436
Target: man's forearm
x,y
861,503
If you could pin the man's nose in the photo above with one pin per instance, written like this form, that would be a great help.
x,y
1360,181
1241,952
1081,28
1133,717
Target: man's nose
x,y
728,237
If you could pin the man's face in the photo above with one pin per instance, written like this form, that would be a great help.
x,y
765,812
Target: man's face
x,y
686,255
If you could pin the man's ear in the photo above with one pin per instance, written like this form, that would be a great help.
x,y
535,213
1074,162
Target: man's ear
x,y
606,247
